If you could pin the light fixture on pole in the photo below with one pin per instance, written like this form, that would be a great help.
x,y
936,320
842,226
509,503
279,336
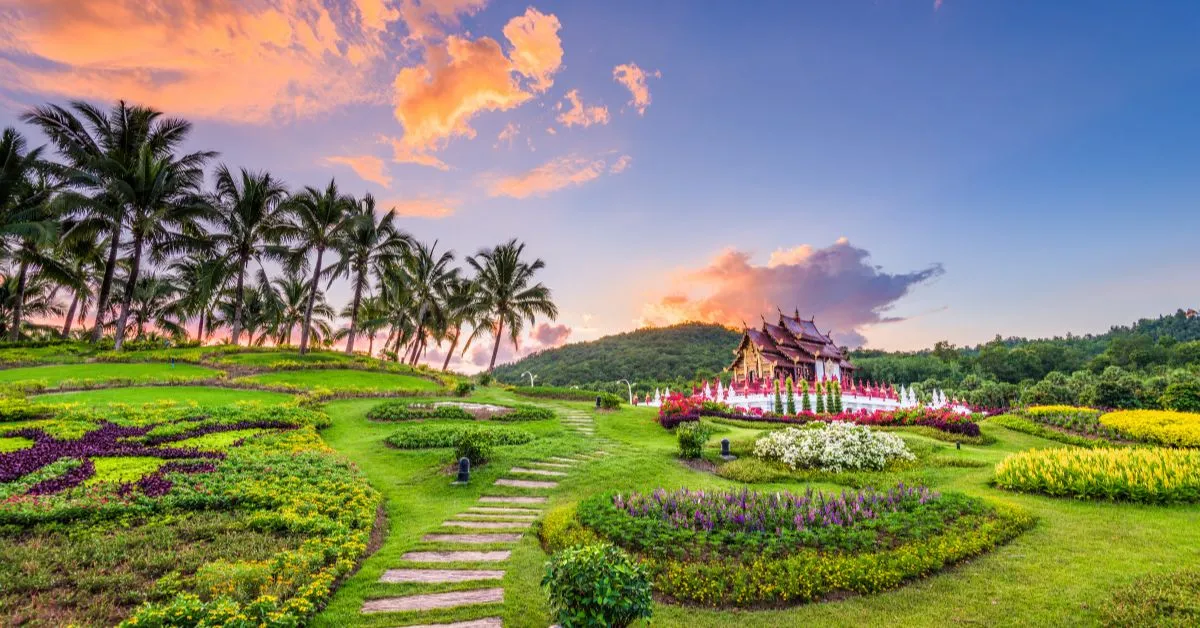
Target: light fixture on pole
x,y
531,377
630,386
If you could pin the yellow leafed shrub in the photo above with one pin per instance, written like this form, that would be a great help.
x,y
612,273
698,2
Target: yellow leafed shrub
x,y
1148,475
1165,427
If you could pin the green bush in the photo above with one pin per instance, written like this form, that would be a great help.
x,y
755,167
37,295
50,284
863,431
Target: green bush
x,y
400,410
608,401
462,389
475,446
525,413
1171,599
433,436
1182,396
597,585
560,528
692,437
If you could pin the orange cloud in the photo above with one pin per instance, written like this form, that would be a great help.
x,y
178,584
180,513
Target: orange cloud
x,y
367,167
556,174
837,284
403,154
246,62
634,79
460,78
581,115
427,19
419,207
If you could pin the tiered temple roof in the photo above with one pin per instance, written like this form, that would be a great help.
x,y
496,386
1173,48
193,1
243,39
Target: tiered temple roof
x,y
793,342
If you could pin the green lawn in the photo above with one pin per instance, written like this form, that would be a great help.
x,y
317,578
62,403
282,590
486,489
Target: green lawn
x,y
203,395
1059,573
344,379
145,373
267,358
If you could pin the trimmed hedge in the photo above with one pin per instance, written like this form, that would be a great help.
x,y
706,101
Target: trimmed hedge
x,y
526,413
408,411
434,436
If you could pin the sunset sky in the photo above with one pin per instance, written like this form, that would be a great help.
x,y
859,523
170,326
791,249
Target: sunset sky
x,y
907,171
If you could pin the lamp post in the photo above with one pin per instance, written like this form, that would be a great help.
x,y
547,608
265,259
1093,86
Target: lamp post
x,y
531,377
629,385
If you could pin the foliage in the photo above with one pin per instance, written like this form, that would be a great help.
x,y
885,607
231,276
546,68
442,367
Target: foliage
x,y
1183,396
560,528
597,585
1081,421
835,446
432,436
525,412
463,388
678,409
692,438
474,445
608,401
1163,427
790,406
1150,475
1168,599
1014,422
401,410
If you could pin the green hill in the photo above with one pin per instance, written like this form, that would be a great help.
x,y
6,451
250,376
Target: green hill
x,y
661,354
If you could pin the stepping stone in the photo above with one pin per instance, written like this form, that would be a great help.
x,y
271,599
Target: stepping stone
x,y
525,483
464,556
486,622
572,460
488,524
430,601
486,516
472,539
537,472
549,465
439,575
494,499
495,510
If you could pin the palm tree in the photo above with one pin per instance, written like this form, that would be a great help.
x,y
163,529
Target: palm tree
x,y
157,302
367,244
292,306
508,295
251,219
102,151
320,218
426,277
200,278
82,250
38,300
372,318
462,307
164,204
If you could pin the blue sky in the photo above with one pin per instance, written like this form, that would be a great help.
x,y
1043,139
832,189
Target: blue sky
x,y
1044,154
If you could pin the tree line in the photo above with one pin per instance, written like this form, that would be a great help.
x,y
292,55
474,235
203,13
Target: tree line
x,y
120,224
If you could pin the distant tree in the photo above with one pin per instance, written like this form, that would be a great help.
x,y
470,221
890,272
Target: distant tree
x,y
821,398
805,404
791,397
778,399
320,217
508,292
1182,396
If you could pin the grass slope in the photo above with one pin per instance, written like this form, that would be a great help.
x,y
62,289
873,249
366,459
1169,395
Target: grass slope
x,y
100,372
335,379
203,395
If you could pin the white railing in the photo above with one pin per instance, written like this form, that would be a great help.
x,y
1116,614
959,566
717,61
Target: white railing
x,y
854,398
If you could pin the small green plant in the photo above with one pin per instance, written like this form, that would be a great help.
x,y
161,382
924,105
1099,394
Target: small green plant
x,y
791,398
692,437
485,379
474,446
778,399
835,398
597,585
805,405
820,398
462,389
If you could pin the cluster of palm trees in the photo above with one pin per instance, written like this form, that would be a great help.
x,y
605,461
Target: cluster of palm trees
x,y
122,228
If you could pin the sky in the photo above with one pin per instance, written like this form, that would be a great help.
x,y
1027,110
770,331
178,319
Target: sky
x,y
904,171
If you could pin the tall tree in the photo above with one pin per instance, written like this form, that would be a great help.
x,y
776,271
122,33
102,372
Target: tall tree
x,y
320,216
463,307
426,276
200,278
508,293
250,216
103,150
367,244
164,201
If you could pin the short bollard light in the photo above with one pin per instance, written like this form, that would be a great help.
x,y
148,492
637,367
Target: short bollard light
x,y
725,453
464,471
597,402
958,445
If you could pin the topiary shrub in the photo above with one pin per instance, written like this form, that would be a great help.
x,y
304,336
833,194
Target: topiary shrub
x,y
462,389
597,585
474,446
692,438
399,410
525,413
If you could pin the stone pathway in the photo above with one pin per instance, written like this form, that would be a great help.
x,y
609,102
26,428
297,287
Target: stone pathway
x,y
494,523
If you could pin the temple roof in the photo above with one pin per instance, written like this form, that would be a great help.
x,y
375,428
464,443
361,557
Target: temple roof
x,y
792,341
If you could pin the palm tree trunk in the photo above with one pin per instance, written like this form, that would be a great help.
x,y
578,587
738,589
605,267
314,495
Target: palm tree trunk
x,y
106,285
200,328
70,316
453,346
371,344
354,311
237,301
15,334
312,300
496,349
127,300
83,310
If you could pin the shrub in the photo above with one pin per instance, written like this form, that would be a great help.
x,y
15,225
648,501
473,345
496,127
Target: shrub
x,y
1171,599
526,413
1151,475
484,379
834,447
692,438
462,389
1036,429
1084,421
474,446
597,585
560,528
1164,427
433,436
399,410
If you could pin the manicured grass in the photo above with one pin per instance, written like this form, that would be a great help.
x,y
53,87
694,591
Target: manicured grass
x,y
1060,573
344,379
267,358
123,468
99,372
203,395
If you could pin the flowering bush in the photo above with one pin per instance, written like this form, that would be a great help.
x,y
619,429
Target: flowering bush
x,y
1149,475
1163,427
1081,421
833,447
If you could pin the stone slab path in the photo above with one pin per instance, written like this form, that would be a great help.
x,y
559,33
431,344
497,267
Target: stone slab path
x,y
473,527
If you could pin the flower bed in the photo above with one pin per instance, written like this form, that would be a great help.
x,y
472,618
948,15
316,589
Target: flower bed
x,y
432,436
678,409
1080,421
746,548
453,410
1162,427
1150,475
833,447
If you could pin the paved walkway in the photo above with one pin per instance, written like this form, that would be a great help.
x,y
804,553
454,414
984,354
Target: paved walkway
x,y
473,547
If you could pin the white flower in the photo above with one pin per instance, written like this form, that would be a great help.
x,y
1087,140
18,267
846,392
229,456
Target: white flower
x,y
835,446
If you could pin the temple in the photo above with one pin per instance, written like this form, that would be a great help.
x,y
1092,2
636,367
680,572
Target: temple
x,y
794,348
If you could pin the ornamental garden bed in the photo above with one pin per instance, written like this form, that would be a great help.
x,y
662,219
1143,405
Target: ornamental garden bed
x,y
82,376
1087,427
345,380
751,549
1152,475
406,410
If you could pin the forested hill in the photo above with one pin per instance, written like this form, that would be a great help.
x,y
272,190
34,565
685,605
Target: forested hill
x,y
662,354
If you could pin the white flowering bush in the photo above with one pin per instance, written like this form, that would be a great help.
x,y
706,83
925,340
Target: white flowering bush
x,y
835,446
